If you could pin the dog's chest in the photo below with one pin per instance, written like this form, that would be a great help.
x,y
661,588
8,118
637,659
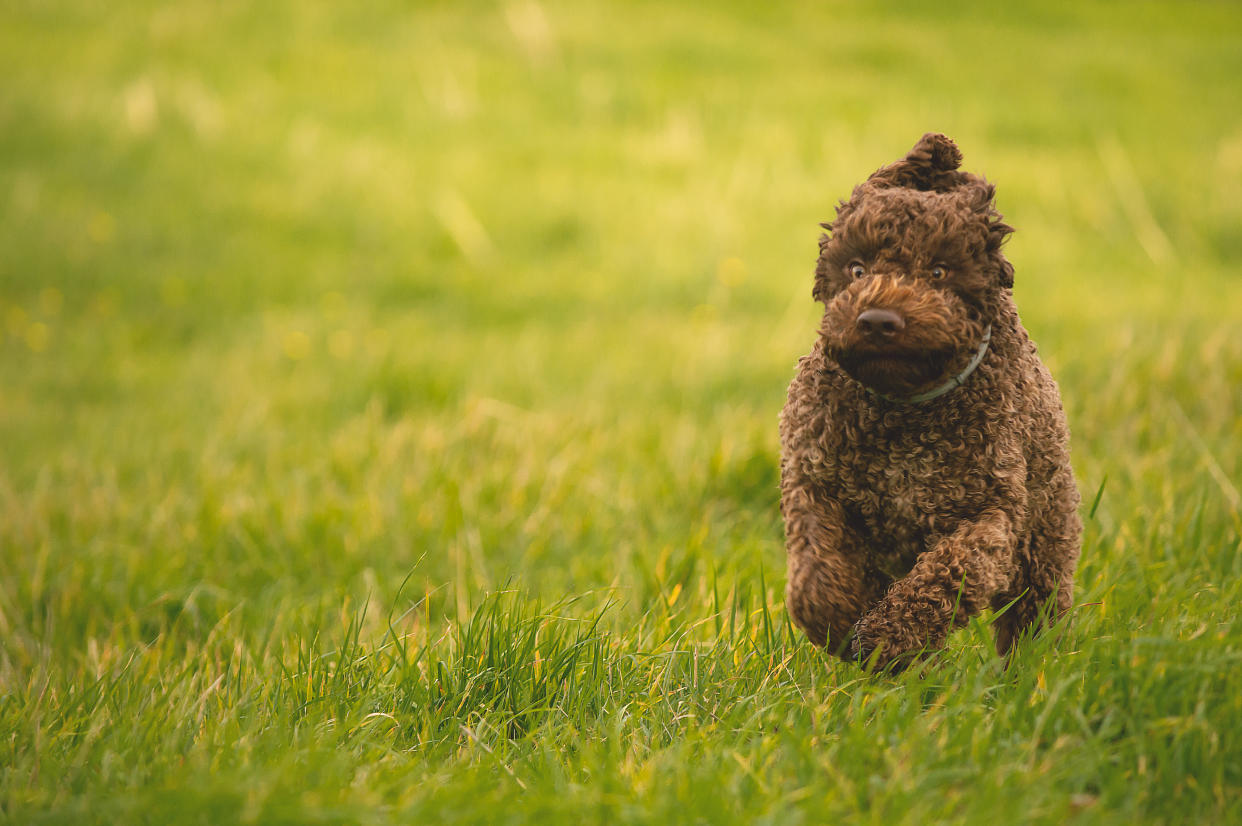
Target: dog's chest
x,y
904,485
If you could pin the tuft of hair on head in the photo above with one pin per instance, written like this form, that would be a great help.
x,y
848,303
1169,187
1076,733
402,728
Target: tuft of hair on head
x,y
935,151
931,165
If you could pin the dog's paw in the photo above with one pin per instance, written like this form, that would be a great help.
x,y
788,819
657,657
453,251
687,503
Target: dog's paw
x,y
868,648
877,651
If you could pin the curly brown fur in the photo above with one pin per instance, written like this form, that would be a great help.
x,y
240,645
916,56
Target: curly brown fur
x,y
905,518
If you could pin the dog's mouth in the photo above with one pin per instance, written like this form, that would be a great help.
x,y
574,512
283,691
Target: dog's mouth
x,y
893,371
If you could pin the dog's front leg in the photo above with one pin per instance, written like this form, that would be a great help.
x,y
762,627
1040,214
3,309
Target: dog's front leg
x,y
828,587
948,584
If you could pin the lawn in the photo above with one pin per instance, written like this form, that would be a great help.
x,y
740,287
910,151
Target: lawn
x,y
388,400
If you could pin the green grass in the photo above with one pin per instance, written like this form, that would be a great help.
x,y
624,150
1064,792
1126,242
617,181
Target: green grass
x,y
388,406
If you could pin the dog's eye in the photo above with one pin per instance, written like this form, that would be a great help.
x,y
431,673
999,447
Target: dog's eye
x,y
856,270
939,271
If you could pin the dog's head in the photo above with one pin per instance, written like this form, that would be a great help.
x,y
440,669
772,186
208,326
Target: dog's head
x,y
911,271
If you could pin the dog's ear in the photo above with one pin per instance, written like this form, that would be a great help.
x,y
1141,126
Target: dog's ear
x,y
982,201
820,289
931,165
1006,271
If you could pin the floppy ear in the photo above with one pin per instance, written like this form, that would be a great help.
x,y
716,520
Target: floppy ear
x,y
1006,271
931,165
982,201
820,289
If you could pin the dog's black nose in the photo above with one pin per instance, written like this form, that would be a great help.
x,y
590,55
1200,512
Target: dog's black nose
x,y
880,322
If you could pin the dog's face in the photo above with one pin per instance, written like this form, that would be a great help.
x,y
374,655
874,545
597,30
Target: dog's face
x,y
910,279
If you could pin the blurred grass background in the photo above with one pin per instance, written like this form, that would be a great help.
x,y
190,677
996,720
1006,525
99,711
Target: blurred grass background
x,y
300,302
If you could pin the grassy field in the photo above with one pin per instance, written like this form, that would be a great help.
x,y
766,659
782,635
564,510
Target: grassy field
x,y
388,405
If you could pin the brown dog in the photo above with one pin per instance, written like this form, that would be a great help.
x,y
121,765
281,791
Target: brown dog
x,y
925,470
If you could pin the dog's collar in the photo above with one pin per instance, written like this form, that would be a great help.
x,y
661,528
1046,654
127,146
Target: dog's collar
x,y
955,382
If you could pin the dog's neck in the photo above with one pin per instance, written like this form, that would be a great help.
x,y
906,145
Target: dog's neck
x,y
952,384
